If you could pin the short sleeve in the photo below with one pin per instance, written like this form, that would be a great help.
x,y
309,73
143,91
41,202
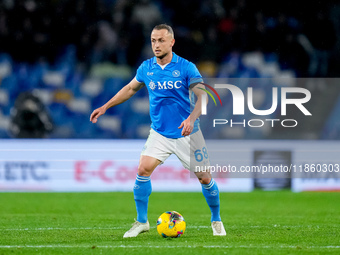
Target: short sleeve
x,y
139,75
193,74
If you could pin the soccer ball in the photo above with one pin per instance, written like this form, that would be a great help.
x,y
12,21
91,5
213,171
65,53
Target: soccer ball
x,y
171,224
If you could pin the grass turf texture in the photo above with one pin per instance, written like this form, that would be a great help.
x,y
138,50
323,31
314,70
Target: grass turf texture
x,y
94,223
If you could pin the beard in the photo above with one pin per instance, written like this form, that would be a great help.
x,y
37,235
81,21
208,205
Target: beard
x,y
162,56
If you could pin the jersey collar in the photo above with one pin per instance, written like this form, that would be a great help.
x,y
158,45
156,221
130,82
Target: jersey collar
x,y
173,60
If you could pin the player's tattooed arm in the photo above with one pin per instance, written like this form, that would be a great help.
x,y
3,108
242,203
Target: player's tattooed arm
x,y
188,124
124,94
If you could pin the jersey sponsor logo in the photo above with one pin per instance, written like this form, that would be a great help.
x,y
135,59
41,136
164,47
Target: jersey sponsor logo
x,y
165,85
169,84
149,73
176,73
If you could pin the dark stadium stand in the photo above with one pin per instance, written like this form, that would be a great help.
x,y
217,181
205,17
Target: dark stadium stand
x,y
76,63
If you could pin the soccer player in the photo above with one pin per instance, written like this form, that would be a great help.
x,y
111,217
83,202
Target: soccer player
x,y
171,82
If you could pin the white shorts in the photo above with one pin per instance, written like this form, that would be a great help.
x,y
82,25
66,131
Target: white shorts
x,y
190,150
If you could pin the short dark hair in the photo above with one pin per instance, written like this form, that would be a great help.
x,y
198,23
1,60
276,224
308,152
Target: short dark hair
x,y
166,27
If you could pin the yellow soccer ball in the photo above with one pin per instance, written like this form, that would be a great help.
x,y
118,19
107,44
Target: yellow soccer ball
x,y
171,224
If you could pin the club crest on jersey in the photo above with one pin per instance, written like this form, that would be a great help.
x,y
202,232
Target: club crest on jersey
x,y
152,85
176,73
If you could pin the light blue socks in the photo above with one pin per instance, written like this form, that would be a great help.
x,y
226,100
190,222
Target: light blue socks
x,y
212,196
141,192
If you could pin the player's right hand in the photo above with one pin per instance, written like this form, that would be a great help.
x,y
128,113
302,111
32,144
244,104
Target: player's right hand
x,y
96,114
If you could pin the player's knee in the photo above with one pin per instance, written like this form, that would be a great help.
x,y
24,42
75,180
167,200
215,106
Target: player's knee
x,y
204,180
204,177
143,171
147,165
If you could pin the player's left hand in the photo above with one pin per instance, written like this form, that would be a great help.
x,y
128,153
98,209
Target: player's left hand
x,y
187,127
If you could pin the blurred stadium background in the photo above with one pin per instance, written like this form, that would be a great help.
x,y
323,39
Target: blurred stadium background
x,y
59,60
75,55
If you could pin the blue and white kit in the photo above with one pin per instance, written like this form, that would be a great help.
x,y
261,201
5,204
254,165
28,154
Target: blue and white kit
x,y
171,101
169,94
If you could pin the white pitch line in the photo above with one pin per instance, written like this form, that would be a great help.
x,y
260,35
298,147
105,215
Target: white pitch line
x,y
114,228
189,227
94,228
177,246
43,229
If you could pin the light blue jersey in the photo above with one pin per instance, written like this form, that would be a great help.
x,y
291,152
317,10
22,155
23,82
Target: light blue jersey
x,y
169,95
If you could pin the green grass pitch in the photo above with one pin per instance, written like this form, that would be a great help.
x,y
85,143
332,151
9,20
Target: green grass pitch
x,y
93,223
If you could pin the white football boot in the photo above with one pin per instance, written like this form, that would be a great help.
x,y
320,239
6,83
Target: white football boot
x,y
218,228
136,229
